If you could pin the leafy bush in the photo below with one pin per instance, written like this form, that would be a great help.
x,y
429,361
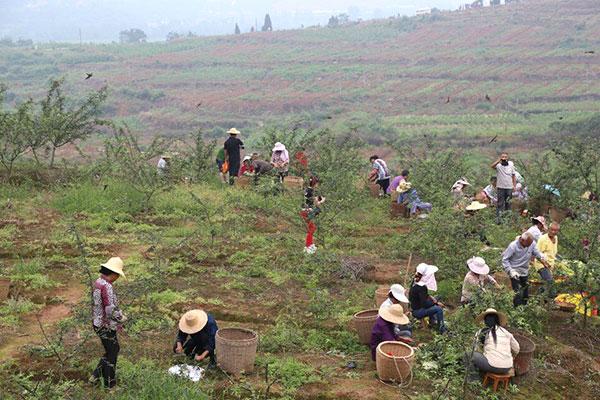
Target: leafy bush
x,y
114,198
30,274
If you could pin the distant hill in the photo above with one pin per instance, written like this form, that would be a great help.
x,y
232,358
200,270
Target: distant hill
x,y
386,78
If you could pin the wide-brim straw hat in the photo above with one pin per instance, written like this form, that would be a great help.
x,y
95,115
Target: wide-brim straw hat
x,y
394,314
540,219
426,269
403,186
279,147
193,321
115,264
398,291
501,316
475,206
478,265
233,131
165,156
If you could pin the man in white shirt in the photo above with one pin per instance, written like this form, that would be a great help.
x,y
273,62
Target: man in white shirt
x,y
505,184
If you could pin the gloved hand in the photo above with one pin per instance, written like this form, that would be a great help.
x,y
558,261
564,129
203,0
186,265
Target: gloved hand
x,y
513,274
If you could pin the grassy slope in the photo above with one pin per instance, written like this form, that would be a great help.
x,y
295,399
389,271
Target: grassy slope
x,y
388,77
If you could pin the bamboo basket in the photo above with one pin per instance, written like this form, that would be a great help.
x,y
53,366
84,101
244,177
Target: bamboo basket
x,y
293,182
244,181
374,189
522,361
4,288
236,349
399,210
394,361
381,295
363,323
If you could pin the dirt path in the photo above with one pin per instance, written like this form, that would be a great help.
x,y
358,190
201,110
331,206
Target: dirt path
x,y
30,333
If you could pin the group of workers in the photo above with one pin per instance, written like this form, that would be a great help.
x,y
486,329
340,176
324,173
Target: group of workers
x,y
197,329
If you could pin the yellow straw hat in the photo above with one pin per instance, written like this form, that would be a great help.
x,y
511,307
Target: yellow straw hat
x,y
233,131
193,321
394,314
501,316
404,186
115,264
474,206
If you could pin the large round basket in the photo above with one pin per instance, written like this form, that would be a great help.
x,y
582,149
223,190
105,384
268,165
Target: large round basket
x,y
293,182
374,189
363,323
236,350
4,288
381,295
522,361
394,361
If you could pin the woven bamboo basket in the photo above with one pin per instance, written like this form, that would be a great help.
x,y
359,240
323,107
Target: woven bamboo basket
x,y
399,210
236,349
394,361
381,295
374,189
244,181
522,361
363,323
293,182
4,288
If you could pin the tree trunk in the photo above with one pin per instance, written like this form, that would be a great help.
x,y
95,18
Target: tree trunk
x,y
52,156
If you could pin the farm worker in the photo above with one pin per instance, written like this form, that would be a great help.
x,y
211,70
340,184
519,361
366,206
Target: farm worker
x,y
280,159
396,295
458,187
499,345
220,160
515,261
261,168
476,279
505,183
383,330
311,208
538,227
520,193
548,246
489,194
379,173
409,196
107,319
232,147
163,164
247,168
396,181
196,336
422,304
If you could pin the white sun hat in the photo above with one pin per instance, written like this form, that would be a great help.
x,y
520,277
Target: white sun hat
x,y
398,292
478,265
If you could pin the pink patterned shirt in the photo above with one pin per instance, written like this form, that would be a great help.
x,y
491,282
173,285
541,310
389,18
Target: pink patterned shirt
x,y
106,312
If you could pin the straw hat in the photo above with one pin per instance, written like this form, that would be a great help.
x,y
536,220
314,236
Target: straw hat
x,y
193,321
394,314
475,206
501,317
165,156
115,264
541,220
586,195
279,147
404,186
426,269
478,265
398,291
233,131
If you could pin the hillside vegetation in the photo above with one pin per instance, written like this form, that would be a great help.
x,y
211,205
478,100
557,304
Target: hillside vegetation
x,y
385,79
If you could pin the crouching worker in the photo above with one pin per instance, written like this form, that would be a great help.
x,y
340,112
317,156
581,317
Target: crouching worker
x,y
476,279
196,336
499,345
423,305
391,319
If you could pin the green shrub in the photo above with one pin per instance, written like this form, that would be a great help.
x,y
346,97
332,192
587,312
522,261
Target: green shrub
x,y
91,198
30,274
145,380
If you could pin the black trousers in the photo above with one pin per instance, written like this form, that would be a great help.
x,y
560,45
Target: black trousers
x,y
107,365
383,184
504,196
520,286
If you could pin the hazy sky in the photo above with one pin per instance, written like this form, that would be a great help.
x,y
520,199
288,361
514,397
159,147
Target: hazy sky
x,y
101,20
